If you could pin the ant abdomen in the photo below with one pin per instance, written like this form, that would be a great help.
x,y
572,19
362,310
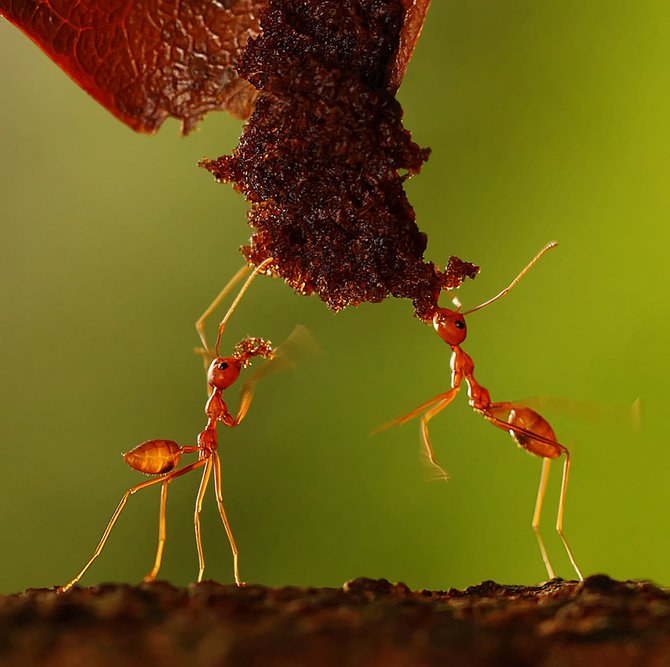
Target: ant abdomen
x,y
154,457
529,420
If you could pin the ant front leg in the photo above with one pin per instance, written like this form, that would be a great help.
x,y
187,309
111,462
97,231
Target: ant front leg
x,y
448,397
200,324
438,404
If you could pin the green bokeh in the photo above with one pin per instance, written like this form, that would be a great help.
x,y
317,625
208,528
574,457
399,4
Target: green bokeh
x,y
547,120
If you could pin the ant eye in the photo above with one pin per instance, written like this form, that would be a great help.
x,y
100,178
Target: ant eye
x,y
223,366
459,324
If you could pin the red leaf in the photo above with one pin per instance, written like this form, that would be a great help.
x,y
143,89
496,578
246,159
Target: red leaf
x,y
145,60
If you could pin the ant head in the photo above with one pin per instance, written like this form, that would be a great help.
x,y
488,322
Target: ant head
x,y
450,326
223,371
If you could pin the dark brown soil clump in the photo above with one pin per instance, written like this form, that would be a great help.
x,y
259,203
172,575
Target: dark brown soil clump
x,y
324,156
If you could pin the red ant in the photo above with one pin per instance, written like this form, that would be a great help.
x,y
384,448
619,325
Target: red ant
x,y
159,457
530,430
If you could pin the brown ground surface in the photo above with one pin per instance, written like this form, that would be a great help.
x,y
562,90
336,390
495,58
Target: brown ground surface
x,y
367,622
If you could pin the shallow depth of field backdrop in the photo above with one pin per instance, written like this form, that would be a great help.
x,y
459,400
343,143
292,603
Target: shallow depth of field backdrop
x,y
547,121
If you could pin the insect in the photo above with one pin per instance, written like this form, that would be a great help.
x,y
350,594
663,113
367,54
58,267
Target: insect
x,y
160,457
528,428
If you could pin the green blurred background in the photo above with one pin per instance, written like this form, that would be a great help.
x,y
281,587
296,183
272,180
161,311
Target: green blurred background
x,y
547,120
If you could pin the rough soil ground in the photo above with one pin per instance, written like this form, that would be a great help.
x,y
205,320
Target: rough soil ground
x,y
366,622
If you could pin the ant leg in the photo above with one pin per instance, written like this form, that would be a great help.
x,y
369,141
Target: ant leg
x,y
169,476
548,448
559,519
429,414
447,395
200,324
299,346
245,402
161,534
538,511
237,299
198,506
222,512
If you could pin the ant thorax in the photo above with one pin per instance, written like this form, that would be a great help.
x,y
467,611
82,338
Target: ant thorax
x,y
216,406
480,398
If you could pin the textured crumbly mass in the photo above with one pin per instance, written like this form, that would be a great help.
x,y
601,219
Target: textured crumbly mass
x,y
253,347
324,156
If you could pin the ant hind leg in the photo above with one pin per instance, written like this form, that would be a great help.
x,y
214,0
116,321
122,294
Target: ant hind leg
x,y
196,518
103,540
161,534
538,511
559,518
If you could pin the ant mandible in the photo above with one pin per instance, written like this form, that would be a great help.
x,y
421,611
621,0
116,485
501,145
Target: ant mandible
x,y
529,429
160,457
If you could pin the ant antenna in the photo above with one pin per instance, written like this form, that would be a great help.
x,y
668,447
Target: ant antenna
x,y
454,299
261,266
549,246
